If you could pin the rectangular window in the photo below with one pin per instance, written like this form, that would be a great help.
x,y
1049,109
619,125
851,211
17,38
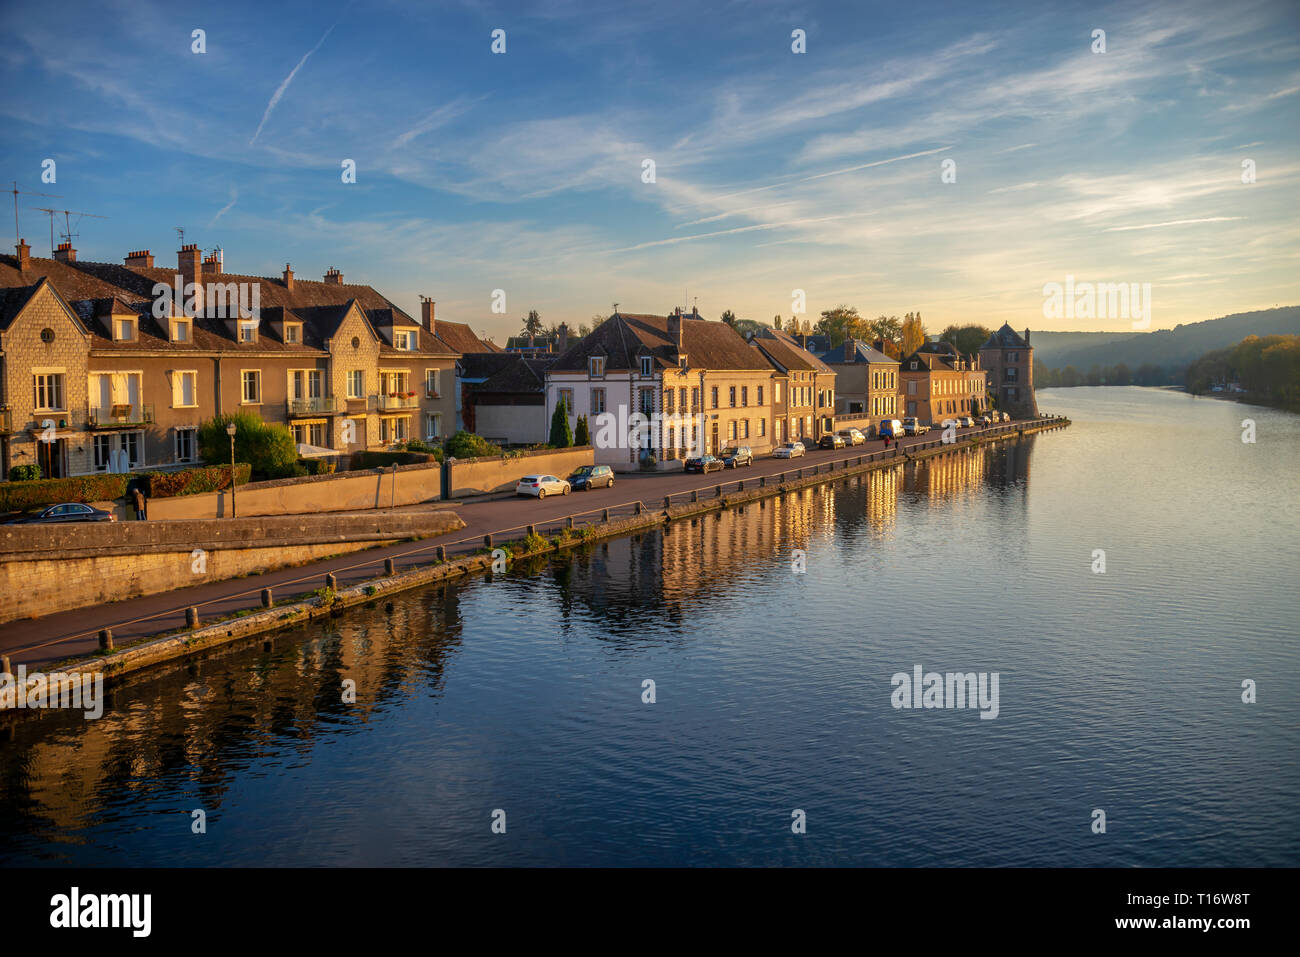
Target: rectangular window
x,y
358,431
668,400
760,395
646,402
762,427
49,391
393,430
180,330
744,395
681,398
731,430
695,399
404,341
252,386
597,401
292,334
596,365
185,390
131,444
431,383
185,445
433,426
744,429
776,392
713,394
248,332
103,449
124,330
647,366
731,397
356,383
566,396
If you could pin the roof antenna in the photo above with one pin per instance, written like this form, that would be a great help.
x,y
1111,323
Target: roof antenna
x,y
22,192
67,234
180,231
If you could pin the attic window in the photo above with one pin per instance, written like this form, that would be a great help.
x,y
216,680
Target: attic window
x,y
647,366
123,330
47,335
597,366
180,330
248,332
681,362
292,333
404,340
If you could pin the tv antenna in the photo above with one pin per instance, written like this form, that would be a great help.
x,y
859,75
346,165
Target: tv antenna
x,y
23,192
67,234
180,231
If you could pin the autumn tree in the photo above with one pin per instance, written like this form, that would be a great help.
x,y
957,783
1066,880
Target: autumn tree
x,y
913,333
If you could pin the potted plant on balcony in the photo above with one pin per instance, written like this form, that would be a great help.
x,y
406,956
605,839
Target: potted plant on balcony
x,y
411,394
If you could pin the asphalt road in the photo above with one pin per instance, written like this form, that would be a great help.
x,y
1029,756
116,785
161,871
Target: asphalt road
x,y
65,634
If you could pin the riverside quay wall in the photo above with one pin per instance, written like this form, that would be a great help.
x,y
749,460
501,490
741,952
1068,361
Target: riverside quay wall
x,y
339,492
48,568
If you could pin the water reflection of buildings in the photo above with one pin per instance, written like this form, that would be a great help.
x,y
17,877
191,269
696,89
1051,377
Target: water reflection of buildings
x,y
199,725
967,472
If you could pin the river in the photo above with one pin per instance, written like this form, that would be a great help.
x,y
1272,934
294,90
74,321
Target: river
x,y
772,637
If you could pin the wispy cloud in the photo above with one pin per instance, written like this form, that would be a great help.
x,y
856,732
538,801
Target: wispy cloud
x,y
284,85
1174,222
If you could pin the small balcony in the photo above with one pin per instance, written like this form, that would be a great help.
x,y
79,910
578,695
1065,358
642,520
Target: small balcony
x,y
319,405
122,416
395,400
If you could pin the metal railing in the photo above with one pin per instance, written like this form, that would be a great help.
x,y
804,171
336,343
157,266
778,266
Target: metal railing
x,y
98,417
402,401
318,405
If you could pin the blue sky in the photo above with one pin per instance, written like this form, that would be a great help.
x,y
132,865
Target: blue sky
x,y
775,171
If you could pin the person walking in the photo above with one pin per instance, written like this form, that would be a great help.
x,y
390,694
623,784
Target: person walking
x,y
140,504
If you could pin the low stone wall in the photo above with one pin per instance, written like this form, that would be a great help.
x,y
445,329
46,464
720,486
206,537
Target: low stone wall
x,y
340,492
501,474
57,568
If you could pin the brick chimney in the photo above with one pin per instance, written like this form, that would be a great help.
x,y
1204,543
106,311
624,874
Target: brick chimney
x,y
427,314
675,329
24,255
212,265
288,277
140,259
850,347
334,276
65,253
563,339
189,265
1026,337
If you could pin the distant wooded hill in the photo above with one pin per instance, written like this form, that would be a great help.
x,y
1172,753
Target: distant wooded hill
x,y
1168,348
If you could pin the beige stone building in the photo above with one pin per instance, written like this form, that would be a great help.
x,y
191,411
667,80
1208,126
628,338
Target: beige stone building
x,y
803,385
939,383
103,368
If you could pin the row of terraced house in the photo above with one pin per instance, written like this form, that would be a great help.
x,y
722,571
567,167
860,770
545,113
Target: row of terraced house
x,y
101,370
108,367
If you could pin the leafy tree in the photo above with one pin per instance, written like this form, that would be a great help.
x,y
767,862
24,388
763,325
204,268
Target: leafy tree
x,y
1070,377
912,335
1120,375
840,323
581,436
267,447
729,318
561,433
776,323
533,325
889,328
966,339
1094,375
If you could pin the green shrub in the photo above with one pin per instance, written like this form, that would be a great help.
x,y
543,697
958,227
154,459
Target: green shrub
x,y
534,543
211,478
581,434
561,434
25,473
467,445
267,447
381,460
20,496
318,466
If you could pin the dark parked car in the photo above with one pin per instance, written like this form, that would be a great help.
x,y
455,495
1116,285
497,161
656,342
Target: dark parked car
x,y
592,476
704,464
736,456
830,441
70,512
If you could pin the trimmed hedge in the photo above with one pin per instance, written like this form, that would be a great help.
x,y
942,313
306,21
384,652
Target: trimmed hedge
x,y
24,473
379,460
21,496
318,466
211,478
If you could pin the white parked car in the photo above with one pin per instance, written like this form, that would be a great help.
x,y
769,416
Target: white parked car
x,y
788,451
542,486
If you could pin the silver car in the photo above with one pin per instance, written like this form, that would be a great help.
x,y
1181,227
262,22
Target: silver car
x,y
542,486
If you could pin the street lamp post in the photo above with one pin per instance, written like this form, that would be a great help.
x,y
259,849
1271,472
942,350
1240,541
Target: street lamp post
x,y
230,431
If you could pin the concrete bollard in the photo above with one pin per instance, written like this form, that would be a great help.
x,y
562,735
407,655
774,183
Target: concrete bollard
x,y
266,598
604,516
106,639
191,617
568,522
762,482
668,502
532,531
695,495
331,583
441,553
638,508
740,486
487,540
389,567
718,492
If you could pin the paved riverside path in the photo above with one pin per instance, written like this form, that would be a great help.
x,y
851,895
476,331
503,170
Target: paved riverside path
x,y
71,633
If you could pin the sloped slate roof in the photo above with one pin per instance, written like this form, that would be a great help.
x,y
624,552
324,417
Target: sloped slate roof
x,y
625,336
861,353
785,354
1005,338
458,337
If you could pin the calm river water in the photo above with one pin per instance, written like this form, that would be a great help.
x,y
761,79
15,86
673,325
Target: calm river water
x,y
1119,691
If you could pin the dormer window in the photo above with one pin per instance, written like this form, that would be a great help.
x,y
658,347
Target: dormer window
x,y
292,333
647,366
181,330
247,331
404,340
681,362
123,329
596,365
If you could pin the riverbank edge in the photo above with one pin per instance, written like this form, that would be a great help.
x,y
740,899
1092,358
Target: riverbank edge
x,y
182,647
